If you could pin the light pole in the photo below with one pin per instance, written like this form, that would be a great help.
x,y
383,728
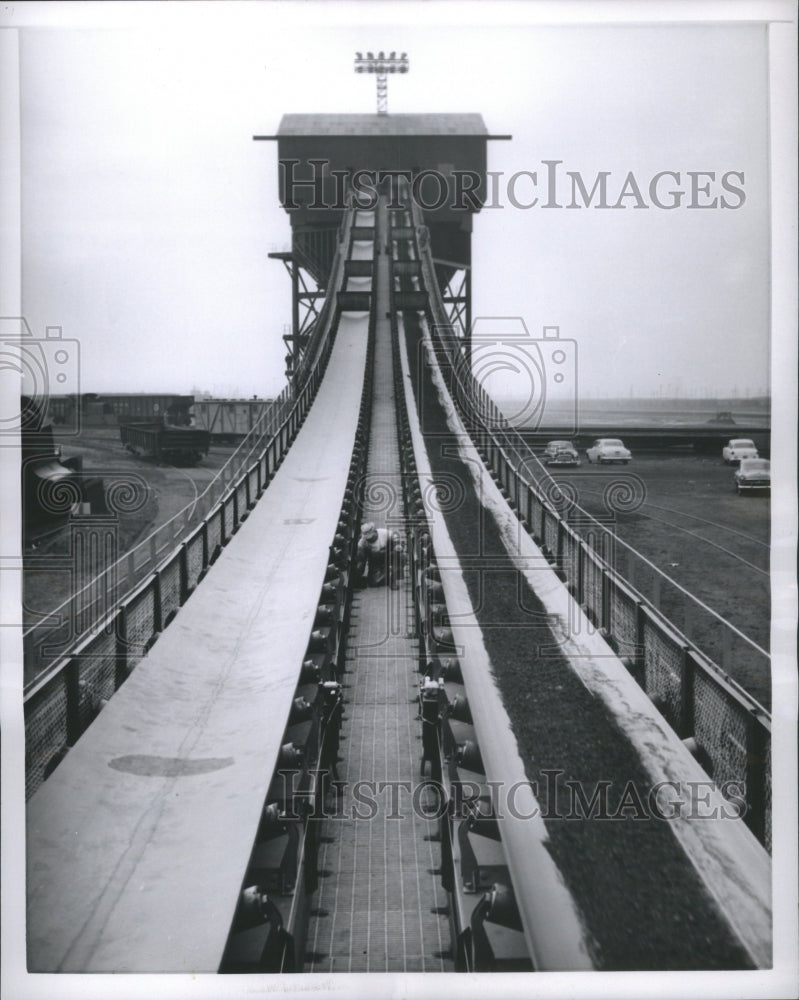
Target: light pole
x,y
382,65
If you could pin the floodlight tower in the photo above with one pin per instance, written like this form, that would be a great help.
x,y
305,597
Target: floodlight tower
x,y
319,153
382,65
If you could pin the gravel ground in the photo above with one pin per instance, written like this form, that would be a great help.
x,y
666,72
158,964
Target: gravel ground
x,y
644,906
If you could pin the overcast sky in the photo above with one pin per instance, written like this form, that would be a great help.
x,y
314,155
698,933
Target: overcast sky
x,y
148,211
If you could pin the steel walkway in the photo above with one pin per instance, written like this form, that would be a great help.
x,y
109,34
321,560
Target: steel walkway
x,y
380,906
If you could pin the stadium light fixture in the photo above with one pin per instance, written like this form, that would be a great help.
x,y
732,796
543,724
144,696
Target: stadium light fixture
x,y
381,65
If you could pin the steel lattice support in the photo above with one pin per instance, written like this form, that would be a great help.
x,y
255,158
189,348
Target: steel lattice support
x,y
305,293
382,94
457,298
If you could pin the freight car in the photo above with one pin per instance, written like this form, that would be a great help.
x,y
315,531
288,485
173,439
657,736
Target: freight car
x,y
92,409
130,407
231,418
165,442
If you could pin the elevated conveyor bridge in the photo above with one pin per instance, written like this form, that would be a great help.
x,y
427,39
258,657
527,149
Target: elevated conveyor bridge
x,y
301,775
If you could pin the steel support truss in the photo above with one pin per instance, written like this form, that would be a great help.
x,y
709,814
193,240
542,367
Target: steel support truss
x,y
455,281
305,295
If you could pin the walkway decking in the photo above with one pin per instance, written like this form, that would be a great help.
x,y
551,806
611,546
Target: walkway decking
x,y
380,906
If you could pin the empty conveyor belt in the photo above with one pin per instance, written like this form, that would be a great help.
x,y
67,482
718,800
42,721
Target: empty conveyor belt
x,y
138,843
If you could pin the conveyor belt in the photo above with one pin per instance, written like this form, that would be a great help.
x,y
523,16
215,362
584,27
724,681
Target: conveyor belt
x,y
634,885
162,795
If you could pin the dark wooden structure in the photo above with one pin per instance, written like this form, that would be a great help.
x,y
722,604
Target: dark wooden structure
x,y
324,158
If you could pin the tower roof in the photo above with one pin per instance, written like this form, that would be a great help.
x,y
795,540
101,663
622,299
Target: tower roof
x,y
456,124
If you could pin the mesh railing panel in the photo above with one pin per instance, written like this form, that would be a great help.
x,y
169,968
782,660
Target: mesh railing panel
x,y
45,731
170,588
513,487
663,667
140,625
623,620
98,668
252,477
593,587
214,532
524,503
229,511
570,557
537,516
194,561
767,798
720,728
551,531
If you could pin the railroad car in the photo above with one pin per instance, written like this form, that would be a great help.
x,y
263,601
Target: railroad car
x,y
93,408
60,409
128,407
165,442
231,418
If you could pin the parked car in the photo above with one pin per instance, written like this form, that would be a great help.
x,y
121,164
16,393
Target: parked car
x,y
737,448
753,474
608,450
561,453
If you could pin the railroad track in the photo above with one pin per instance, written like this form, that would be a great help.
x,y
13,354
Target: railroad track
x,y
736,556
725,529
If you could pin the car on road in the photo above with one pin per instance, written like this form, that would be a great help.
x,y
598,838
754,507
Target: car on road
x,y
753,474
737,448
561,453
608,450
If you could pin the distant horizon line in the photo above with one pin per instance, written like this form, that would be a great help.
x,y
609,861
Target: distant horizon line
x,y
729,401
622,397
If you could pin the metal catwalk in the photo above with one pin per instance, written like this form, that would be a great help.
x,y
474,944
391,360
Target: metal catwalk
x,y
380,906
